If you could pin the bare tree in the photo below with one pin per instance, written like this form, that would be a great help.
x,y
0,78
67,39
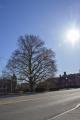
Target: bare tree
x,y
32,61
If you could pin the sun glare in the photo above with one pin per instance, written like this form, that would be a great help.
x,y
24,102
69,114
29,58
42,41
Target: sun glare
x,y
73,35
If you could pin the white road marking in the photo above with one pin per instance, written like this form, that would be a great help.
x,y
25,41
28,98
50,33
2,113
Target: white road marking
x,y
59,115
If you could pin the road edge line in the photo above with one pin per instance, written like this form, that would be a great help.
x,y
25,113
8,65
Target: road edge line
x,y
59,115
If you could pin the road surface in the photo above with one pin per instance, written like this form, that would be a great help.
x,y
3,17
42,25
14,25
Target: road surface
x,y
58,105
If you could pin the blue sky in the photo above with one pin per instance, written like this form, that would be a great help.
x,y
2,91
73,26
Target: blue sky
x,y
46,18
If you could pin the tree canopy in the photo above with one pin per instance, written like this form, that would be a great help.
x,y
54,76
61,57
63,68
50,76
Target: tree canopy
x,y
32,61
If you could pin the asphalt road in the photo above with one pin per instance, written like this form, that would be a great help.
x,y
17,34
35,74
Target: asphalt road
x,y
58,105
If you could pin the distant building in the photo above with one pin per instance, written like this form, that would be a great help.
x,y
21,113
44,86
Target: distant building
x,y
63,81
7,85
69,81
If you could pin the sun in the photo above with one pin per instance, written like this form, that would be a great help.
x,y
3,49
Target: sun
x,y
73,35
